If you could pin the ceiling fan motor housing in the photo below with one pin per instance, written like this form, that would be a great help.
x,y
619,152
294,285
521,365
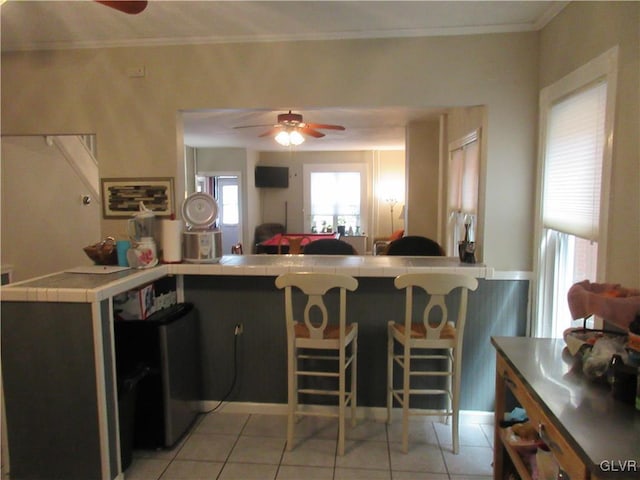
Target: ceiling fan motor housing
x,y
290,119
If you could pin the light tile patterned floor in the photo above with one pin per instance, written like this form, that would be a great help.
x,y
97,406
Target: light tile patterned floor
x,y
232,446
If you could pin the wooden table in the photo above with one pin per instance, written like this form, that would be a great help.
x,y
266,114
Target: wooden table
x,y
590,434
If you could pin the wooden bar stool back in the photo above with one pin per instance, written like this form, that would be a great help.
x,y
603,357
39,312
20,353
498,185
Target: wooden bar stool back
x,y
425,345
319,348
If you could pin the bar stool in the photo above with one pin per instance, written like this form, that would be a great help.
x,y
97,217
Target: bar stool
x,y
428,343
315,346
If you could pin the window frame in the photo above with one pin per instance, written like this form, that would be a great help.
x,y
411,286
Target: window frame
x,y
457,215
604,67
360,168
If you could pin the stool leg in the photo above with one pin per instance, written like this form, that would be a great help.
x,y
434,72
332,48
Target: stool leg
x,y
292,395
456,402
354,381
341,401
406,387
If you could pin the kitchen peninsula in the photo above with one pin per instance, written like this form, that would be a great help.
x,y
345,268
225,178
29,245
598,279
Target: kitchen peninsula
x,y
58,346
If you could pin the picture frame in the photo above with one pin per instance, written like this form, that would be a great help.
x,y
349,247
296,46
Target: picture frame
x,y
121,197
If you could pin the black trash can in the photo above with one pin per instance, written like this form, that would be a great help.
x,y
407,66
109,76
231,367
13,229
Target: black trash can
x,y
127,393
167,342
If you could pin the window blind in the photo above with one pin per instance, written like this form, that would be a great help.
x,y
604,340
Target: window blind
x,y
573,163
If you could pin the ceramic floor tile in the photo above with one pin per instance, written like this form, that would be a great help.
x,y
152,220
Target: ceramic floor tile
x,y
371,430
160,454
421,431
312,452
421,476
362,454
207,447
254,448
191,470
222,423
146,469
296,472
419,458
469,434
488,432
470,461
258,450
316,427
471,477
362,474
266,426
248,471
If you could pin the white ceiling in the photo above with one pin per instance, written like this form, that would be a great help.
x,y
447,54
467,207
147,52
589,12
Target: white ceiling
x,y
39,25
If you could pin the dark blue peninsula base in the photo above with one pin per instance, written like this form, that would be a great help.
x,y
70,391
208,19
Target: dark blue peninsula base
x,y
58,344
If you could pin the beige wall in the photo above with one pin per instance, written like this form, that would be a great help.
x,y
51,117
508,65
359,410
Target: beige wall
x,y
423,170
45,226
388,174
581,32
135,118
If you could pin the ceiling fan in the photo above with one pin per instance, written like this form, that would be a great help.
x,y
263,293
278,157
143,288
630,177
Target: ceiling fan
x,y
290,127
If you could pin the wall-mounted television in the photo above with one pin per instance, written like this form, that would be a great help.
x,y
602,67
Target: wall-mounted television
x,y
272,177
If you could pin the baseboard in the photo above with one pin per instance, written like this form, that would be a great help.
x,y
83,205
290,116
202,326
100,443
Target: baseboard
x,y
368,413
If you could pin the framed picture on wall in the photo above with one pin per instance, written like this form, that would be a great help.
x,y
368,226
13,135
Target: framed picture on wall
x,y
121,197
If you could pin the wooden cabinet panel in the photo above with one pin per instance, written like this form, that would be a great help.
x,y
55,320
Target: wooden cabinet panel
x,y
566,457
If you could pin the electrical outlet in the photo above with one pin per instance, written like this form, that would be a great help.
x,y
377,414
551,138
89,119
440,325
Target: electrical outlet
x,y
136,72
239,330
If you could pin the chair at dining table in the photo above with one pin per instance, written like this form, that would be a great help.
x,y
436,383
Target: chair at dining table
x,y
415,245
329,246
295,243
322,347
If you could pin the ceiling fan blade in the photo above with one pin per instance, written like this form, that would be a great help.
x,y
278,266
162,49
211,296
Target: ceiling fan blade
x,y
324,126
254,126
310,131
271,132
131,7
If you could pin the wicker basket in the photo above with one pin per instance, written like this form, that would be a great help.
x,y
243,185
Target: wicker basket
x,y
104,252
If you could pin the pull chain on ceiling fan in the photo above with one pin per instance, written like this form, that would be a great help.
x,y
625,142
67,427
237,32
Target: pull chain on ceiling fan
x,y
290,128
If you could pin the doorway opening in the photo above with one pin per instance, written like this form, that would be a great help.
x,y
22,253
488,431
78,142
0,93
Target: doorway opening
x,y
225,188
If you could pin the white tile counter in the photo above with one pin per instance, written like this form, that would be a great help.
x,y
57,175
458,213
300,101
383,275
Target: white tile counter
x,y
82,287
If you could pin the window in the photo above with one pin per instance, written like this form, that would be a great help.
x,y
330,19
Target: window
x,y
575,123
334,196
462,190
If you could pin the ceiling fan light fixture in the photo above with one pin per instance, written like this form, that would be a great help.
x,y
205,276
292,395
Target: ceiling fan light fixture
x,y
287,138
295,137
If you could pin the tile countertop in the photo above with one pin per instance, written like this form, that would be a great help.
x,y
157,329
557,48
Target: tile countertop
x,y
83,287
600,428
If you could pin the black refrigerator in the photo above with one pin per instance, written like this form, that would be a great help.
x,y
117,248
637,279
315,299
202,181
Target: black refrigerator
x,y
167,398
